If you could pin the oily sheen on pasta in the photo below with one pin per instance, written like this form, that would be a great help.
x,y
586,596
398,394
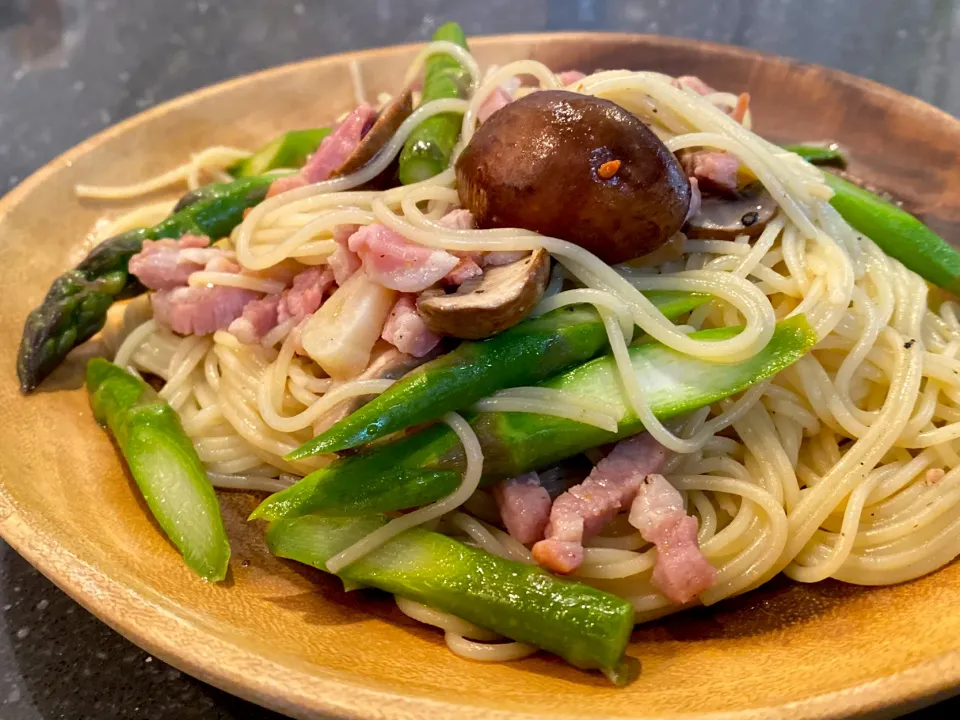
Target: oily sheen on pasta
x,y
842,466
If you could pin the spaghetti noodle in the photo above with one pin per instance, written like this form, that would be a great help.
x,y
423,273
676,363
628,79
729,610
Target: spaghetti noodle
x,y
844,465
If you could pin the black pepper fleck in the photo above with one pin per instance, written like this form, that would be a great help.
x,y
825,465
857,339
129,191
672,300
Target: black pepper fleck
x,y
750,218
908,344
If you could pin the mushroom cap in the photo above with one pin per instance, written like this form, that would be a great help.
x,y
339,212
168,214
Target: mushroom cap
x,y
486,305
536,164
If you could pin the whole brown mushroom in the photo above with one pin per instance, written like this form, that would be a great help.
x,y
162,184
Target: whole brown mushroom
x,y
578,168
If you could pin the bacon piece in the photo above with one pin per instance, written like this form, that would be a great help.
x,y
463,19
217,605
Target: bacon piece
x,y
459,219
585,508
299,301
305,296
259,317
200,310
692,82
344,262
497,99
524,507
288,182
470,260
396,263
501,96
467,268
332,153
406,331
681,571
569,77
166,264
715,171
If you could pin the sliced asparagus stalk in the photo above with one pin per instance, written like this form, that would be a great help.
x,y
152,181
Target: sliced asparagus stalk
x,y
426,465
525,354
164,464
290,150
587,627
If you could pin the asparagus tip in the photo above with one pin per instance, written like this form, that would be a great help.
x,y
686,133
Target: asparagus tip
x,y
262,512
306,450
28,370
323,444
28,378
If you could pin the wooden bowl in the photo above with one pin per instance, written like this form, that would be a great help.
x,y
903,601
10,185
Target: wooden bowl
x,y
289,638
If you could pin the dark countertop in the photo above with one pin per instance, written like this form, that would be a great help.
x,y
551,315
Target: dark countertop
x,y
69,68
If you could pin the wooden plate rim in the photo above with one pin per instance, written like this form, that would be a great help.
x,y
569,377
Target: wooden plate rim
x,y
304,694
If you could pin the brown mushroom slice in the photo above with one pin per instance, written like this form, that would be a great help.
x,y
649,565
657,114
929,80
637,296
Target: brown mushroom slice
x,y
486,305
387,363
388,122
723,217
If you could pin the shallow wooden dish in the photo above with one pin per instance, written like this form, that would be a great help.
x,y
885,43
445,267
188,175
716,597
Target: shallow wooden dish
x,y
289,638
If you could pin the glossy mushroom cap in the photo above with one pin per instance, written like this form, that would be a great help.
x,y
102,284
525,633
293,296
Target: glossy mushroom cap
x,y
578,168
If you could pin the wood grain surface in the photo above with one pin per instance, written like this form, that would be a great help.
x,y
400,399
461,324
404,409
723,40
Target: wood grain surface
x,y
290,638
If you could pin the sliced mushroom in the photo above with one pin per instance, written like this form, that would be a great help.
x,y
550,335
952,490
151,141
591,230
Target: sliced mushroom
x,y
388,122
723,217
387,363
486,305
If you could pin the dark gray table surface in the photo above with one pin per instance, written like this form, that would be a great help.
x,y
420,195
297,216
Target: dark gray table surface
x,y
69,68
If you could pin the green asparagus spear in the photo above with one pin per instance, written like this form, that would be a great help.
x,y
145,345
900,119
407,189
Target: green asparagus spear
x,y
428,465
290,150
587,627
218,212
525,354
898,233
825,155
427,151
164,464
213,191
76,305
